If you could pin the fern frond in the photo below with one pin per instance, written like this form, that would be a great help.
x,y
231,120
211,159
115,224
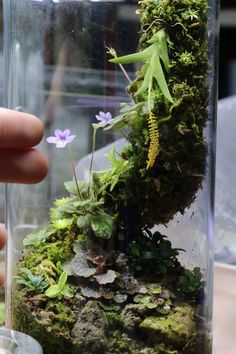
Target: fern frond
x,y
154,144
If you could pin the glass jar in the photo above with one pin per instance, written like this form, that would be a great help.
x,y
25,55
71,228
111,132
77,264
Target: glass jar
x,y
113,252
13,342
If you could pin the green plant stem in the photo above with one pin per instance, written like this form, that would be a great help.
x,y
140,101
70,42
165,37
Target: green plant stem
x,y
73,168
95,128
125,72
113,53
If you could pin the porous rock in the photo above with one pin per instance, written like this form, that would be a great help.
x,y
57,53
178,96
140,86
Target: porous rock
x,y
90,327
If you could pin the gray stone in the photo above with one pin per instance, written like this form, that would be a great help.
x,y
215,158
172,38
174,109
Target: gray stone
x,y
90,327
131,316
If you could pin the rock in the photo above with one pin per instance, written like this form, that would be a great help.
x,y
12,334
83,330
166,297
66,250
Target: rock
x,y
177,328
89,329
131,316
46,317
39,300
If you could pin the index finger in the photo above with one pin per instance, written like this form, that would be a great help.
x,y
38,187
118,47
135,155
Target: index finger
x,y
19,130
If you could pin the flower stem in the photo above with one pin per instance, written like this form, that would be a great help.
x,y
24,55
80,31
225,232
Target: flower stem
x,y
73,168
125,73
112,52
95,128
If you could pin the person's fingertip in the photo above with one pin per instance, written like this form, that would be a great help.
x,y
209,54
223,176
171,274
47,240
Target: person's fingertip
x,y
23,166
41,171
2,278
19,129
38,129
3,236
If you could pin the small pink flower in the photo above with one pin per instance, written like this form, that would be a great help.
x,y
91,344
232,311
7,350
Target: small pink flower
x,y
61,138
104,118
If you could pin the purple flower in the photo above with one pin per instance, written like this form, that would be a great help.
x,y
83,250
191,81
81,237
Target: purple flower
x,y
104,118
61,138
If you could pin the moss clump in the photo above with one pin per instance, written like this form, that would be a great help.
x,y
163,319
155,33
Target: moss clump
x,y
114,319
177,328
177,172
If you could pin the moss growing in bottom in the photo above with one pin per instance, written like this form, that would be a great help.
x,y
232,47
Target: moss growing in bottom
x,y
91,326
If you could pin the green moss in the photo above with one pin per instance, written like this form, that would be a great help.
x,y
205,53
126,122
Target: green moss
x,y
114,319
2,313
176,328
121,343
180,165
43,326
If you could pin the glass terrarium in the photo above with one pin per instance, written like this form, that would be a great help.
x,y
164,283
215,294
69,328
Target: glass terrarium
x,y
113,251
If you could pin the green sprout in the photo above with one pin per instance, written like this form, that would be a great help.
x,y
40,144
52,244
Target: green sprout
x,y
60,289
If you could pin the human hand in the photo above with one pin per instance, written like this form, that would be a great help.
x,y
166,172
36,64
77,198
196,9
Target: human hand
x,y
20,162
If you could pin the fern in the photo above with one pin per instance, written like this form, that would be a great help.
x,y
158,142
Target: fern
x,y
152,57
153,149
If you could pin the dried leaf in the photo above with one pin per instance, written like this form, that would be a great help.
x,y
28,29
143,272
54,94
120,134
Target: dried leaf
x,y
106,278
120,298
89,292
80,266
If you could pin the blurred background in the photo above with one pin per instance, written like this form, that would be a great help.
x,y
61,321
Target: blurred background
x,y
227,57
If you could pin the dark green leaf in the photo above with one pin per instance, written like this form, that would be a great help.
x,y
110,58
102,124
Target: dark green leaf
x,y
102,225
84,221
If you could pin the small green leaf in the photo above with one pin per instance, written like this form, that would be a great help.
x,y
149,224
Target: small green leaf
x,y
159,76
147,78
61,202
163,49
68,208
53,291
132,58
62,224
82,203
68,292
62,280
151,305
